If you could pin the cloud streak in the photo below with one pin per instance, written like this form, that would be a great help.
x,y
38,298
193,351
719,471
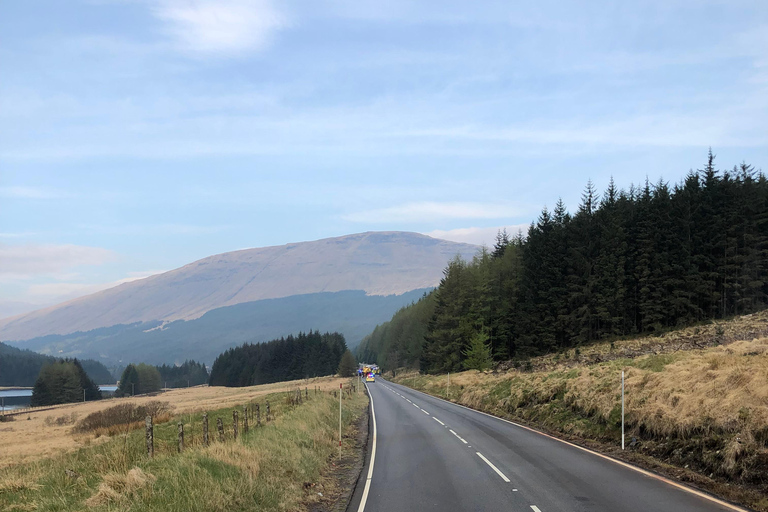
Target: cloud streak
x,y
33,260
24,192
477,236
215,27
431,211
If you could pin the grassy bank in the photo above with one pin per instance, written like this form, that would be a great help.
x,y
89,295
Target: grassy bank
x,y
278,466
703,409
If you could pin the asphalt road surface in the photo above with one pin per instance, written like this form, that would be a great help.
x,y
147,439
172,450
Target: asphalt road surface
x,y
429,454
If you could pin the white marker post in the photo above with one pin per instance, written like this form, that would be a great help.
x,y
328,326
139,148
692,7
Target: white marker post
x,y
448,387
622,409
339,421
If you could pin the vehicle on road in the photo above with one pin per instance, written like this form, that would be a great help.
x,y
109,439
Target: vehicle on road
x,y
370,378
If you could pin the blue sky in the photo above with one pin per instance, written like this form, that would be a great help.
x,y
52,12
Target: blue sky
x,y
137,136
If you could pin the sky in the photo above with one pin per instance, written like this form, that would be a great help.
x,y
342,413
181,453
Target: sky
x,y
140,135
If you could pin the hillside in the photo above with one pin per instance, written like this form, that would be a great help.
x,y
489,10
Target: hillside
x,y
695,400
377,263
352,313
21,367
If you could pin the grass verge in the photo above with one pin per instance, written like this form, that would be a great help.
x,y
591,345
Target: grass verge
x,y
275,467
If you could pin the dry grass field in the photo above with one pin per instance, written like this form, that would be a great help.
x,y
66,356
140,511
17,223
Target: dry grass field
x,y
283,463
36,435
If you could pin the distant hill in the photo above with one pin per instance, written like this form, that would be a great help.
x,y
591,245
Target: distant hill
x,y
352,313
21,367
375,263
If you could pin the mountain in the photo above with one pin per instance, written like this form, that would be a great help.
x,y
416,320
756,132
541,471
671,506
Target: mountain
x,y
376,265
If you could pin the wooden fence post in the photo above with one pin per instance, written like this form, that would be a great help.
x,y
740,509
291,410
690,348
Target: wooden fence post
x,y
234,423
268,413
181,437
205,428
245,419
150,437
220,427
258,416
306,392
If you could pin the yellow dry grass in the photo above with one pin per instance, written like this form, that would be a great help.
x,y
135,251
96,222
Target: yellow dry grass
x,y
28,438
117,487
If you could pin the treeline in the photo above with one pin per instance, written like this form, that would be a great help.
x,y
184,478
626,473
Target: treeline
x,y
190,373
627,262
63,381
295,357
21,367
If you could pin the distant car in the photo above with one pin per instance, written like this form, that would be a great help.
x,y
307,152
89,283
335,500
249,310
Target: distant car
x,y
370,378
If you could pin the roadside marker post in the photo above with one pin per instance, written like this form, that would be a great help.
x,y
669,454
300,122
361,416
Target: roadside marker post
x,y
622,409
340,387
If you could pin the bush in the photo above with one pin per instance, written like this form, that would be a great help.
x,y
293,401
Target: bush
x,y
67,419
123,414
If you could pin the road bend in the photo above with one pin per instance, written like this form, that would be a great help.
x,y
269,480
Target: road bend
x,y
434,455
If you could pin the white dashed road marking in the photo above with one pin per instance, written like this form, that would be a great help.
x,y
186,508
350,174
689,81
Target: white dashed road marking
x,y
502,475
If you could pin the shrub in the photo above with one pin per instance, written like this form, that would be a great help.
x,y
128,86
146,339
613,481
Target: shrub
x,y
124,414
67,419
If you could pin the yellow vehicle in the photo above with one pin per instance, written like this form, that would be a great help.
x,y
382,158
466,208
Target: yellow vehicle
x,y
370,378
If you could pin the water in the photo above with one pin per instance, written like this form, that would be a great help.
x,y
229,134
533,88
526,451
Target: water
x,y
19,398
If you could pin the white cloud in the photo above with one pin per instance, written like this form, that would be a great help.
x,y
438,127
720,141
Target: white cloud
x,y
477,236
431,211
220,26
33,260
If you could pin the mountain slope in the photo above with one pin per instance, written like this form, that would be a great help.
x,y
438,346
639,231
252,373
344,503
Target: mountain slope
x,y
379,263
352,313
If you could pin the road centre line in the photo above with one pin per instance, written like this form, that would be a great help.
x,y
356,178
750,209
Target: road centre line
x,y
425,412
437,420
503,477
460,438
535,508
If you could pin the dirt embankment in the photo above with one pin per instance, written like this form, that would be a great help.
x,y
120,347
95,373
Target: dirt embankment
x,y
696,402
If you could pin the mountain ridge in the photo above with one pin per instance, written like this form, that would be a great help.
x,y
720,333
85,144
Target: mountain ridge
x,y
378,263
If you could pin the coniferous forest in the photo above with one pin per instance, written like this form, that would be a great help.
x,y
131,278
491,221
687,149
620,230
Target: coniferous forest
x,y
21,367
295,357
625,262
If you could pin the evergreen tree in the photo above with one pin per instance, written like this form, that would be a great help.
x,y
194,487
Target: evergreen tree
x,y
635,261
477,356
347,365
129,382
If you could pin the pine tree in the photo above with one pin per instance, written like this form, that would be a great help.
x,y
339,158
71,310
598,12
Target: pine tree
x,y
347,365
129,382
477,356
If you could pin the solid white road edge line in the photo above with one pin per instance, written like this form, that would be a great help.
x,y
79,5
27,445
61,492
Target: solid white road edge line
x,y
667,481
367,488
503,477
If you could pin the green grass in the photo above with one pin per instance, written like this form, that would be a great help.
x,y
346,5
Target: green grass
x,y
265,470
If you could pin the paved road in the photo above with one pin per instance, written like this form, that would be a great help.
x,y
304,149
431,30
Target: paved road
x,y
434,455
